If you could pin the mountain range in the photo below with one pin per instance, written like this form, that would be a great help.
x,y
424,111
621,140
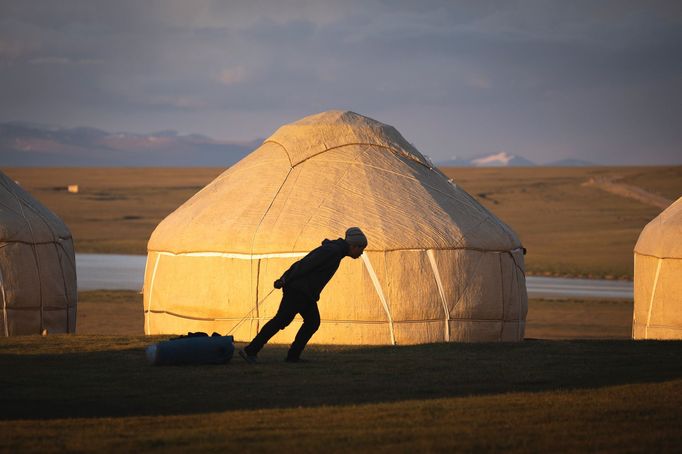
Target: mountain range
x,y
504,159
30,144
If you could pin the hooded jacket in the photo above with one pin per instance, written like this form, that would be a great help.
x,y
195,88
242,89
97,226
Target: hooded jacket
x,y
310,274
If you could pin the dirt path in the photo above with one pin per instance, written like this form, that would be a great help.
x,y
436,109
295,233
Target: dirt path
x,y
610,184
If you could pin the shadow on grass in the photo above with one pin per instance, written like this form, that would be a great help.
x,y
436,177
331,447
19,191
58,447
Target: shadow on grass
x,y
119,382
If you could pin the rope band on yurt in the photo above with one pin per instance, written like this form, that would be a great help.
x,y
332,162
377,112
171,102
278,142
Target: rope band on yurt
x,y
257,290
395,151
35,254
651,300
439,283
380,292
66,290
4,304
151,293
634,313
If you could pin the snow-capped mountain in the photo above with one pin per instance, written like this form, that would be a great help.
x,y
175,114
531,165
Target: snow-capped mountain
x,y
502,159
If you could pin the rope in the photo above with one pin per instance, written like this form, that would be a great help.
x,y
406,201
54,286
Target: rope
x,y
248,314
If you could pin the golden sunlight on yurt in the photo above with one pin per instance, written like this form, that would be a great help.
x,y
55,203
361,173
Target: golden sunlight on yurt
x,y
658,277
439,266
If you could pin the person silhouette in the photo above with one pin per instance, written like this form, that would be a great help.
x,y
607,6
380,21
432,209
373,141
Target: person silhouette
x,y
301,286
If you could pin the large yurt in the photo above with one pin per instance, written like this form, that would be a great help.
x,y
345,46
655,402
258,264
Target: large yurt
x,y
37,266
439,266
658,277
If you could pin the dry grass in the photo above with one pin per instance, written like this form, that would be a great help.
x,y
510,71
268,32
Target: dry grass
x,y
110,312
629,418
569,229
114,312
579,319
116,209
97,393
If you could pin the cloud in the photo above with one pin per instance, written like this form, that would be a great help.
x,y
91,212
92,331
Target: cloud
x,y
231,76
176,102
49,61
11,49
480,81
63,61
463,78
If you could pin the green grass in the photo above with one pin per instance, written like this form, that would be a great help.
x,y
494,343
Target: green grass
x,y
98,393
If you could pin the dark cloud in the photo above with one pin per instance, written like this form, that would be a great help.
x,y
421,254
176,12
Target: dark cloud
x,y
547,80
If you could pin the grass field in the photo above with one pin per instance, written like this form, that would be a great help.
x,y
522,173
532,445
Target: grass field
x,y
97,393
568,228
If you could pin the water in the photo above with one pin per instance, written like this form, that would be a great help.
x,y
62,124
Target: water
x,y
561,287
126,272
110,271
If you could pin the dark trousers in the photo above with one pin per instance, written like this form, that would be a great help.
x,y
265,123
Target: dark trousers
x,y
292,303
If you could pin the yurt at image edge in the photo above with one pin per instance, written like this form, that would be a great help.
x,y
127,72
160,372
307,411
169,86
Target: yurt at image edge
x,y
658,277
37,266
439,266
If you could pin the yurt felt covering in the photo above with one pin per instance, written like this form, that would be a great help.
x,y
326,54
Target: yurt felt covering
x,y
658,277
439,266
37,266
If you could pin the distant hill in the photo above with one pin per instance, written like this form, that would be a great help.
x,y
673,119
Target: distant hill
x,y
570,163
33,145
28,144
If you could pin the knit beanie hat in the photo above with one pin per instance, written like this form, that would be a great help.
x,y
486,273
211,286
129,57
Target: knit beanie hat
x,y
355,237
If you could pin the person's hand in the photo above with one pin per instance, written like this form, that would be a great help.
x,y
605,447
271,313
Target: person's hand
x,y
279,283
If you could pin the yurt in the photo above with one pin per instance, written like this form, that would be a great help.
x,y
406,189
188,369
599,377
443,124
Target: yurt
x,y
37,266
658,277
439,266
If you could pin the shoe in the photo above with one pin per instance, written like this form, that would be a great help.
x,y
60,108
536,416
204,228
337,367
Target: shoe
x,y
295,360
251,359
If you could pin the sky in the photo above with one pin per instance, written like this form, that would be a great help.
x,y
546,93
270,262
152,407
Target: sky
x,y
546,80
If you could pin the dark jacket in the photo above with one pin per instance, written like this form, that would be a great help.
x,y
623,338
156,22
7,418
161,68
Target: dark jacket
x,y
310,274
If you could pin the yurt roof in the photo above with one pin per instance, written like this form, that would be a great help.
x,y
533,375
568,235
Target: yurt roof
x,y
325,131
314,178
24,219
662,237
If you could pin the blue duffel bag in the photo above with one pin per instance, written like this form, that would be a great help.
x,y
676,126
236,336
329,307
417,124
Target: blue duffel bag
x,y
195,348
